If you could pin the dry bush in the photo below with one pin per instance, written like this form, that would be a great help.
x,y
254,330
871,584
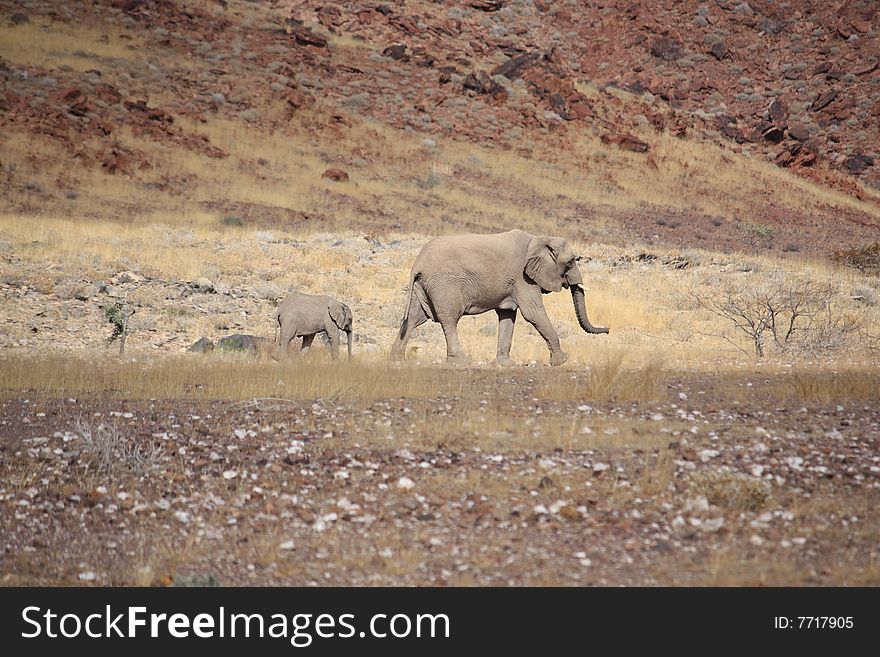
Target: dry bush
x,y
731,490
832,386
865,258
789,316
106,452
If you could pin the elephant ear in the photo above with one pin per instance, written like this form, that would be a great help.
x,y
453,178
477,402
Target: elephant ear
x,y
340,314
541,264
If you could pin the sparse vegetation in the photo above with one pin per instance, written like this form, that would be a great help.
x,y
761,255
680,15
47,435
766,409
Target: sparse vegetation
x,y
732,490
866,258
789,313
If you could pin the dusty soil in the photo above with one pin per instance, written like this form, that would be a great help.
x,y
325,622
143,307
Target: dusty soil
x,y
719,481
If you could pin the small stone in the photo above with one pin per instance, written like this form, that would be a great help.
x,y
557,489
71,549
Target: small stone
x,y
336,175
230,474
405,483
569,512
287,545
708,454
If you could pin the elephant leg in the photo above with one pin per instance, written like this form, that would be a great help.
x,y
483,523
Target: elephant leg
x,y
306,343
454,350
287,334
415,318
506,321
332,337
535,315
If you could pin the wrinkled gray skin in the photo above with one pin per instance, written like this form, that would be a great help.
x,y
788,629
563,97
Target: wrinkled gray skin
x,y
506,272
306,315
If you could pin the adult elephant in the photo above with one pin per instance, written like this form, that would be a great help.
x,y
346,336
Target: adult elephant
x,y
506,272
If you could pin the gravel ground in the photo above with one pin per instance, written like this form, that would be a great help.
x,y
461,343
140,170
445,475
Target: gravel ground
x,y
717,482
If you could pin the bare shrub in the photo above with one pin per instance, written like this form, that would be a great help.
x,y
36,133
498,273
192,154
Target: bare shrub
x,y
791,316
731,490
106,452
865,258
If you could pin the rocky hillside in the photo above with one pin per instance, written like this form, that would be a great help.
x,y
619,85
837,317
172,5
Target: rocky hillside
x,y
101,85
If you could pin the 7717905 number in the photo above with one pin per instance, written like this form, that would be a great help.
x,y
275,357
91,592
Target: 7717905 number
x,y
812,622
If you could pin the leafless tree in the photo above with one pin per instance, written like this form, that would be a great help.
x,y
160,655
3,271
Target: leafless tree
x,y
781,312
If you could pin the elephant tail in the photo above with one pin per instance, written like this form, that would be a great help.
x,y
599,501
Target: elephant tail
x,y
412,283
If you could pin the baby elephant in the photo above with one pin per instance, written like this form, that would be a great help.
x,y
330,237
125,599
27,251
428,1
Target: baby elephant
x,y
306,315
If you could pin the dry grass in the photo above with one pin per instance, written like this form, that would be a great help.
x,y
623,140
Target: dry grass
x,y
52,44
828,386
731,490
195,377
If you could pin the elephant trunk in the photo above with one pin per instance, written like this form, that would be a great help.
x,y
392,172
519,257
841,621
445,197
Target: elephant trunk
x,y
580,309
348,335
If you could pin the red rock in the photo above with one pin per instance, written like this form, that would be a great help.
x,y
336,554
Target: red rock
x,y
329,15
71,94
337,175
513,67
773,133
799,131
783,159
581,110
865,68
407,24
295,99
805,159
666,48
397,51
487,5
108,93
778,111
858,163
627,142
303,35
860,26
822,100
719,50
114,161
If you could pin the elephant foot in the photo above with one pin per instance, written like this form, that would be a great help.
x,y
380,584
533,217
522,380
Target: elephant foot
x,y
558,358
504,361
458,359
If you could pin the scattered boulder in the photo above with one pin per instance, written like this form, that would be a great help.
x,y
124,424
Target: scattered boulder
x,y
269,291
778,112
823,100
242,343
627,142
487,5
336,175
206,286
858,163
202,346
773,133
397,51
666,48
513,67
480,82
799,131
719,50
303,35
